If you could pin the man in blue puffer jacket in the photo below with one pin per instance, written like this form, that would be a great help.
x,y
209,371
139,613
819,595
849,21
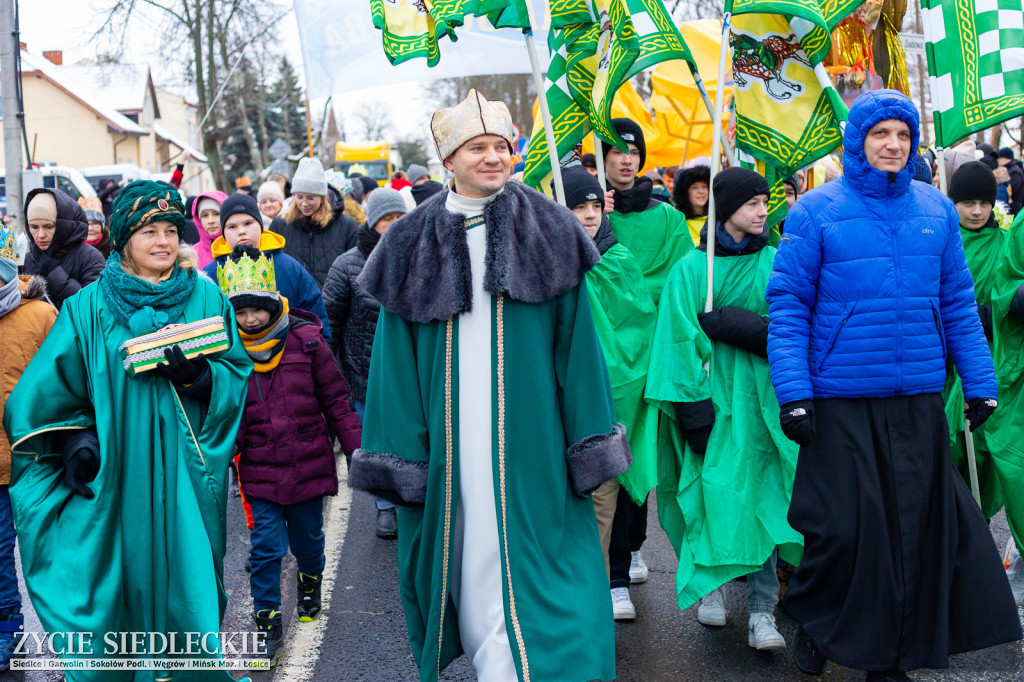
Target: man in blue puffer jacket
x,y
870,291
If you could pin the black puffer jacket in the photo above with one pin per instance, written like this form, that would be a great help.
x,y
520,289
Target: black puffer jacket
x,y
317,247
352,313
77,264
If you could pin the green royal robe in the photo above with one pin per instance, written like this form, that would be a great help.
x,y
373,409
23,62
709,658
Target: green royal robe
x,y
555,590
1004,430
146,553
625,317
658,237
724,511
984,250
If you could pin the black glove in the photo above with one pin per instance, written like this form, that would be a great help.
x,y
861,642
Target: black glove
x,y
797,418
738,327
985,315
978,410
181,370
1017,304
695,423
81,456
45,264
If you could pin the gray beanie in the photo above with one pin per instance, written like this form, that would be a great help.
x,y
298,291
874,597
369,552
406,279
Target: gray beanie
x,y
382,202
309,177
416,172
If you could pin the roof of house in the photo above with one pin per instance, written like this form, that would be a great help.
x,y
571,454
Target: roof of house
x,y
164,134
82,92
123,86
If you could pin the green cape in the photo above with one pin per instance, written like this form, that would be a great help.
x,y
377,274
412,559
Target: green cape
x,y
624,316
558,610
724,511
984,252
657,237
146,553
1004,431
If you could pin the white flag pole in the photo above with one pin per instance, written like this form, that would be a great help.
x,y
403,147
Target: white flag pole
x,y
972,457
545,114
730,155
599,160
716,161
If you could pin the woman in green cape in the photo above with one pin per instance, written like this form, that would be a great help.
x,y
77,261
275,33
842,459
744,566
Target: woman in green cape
x,y
724,489
119,482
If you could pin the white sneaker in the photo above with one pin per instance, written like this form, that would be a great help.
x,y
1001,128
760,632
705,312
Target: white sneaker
x,y
1014,570
622,606
711,609
637,569
762,633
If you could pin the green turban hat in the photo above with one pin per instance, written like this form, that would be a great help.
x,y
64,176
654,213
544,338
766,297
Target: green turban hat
x,y
143,202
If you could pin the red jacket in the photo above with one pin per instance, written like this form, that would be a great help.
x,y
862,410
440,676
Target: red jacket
x,y
287,453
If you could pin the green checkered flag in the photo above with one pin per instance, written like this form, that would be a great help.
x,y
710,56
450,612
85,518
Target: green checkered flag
x,y
568,119
660,39
975,54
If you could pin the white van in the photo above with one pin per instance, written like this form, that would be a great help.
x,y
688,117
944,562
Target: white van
x,y
65,178
98,175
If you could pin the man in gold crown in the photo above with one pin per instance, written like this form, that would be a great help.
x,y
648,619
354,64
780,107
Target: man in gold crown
x,y
297,401
489,418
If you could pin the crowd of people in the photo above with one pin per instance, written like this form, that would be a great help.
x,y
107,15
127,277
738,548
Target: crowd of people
x,y
510,378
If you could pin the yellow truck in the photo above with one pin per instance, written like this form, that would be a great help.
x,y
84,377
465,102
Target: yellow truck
x,y
372,159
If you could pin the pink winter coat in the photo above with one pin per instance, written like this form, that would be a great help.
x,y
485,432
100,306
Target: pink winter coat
x,y
205,240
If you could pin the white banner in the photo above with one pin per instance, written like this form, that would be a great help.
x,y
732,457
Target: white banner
x,y
342,51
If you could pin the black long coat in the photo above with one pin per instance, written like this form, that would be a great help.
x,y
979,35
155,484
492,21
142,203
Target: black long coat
x,y
317,247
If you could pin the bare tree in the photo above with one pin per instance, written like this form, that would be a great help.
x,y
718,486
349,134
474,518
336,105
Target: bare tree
x,y
375,119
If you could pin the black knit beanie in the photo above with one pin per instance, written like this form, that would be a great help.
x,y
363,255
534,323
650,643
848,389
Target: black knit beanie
x,y
629,131
271,304
734,187
580,186
973,181
240,203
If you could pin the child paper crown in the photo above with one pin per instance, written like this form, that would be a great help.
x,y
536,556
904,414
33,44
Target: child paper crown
x,y
246,276
7,243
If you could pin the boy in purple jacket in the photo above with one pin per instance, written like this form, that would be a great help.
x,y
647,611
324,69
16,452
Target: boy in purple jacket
x,y
296,403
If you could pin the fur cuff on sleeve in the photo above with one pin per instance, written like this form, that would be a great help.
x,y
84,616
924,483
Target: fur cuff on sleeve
x,y
596,459
390,477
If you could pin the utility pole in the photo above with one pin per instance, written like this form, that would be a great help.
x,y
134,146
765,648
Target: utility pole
x,y
9,42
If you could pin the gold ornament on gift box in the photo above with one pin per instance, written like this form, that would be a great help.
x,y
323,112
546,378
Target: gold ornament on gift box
x,y
246,276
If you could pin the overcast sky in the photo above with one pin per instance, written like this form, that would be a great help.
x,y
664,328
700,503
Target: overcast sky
x,y
68,25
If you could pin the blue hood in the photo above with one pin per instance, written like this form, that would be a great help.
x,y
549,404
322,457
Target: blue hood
x,y
868,110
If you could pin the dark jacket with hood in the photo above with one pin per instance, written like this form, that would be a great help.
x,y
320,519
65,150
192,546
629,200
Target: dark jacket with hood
x,y
77,263
681,189
353,313
291,412
316,247
425,190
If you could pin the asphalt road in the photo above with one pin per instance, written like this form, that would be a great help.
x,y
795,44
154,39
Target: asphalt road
x,y
362,636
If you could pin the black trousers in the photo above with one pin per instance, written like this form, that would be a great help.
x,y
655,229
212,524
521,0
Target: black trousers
x,y
629,531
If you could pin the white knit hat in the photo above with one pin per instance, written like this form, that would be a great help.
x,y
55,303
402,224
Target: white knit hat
x,y
270,190
309,178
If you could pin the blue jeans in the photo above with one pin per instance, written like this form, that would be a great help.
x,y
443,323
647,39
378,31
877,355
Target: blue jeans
x,y
764,587
276,528
10,597
360,409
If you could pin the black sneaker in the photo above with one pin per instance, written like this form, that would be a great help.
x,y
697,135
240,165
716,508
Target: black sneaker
x,y
269,622
387,523
806,655
309,597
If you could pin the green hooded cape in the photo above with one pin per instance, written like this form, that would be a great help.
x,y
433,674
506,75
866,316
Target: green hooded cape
x,y
724,511
984,251
146,553
1004,431
624,316
658,237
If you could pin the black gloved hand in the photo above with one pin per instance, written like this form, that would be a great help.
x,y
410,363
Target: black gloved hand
x,y
980,409
179,369
1017,304
81,456
45,264
797,418
738,327
695,423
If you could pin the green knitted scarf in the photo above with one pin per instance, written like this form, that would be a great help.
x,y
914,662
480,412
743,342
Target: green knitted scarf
x,y
139,305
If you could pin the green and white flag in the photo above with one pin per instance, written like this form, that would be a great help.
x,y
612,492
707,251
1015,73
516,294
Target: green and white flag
x,y
660,39
975,54
568,119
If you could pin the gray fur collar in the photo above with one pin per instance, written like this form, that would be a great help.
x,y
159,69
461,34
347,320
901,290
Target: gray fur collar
x,y
536,250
